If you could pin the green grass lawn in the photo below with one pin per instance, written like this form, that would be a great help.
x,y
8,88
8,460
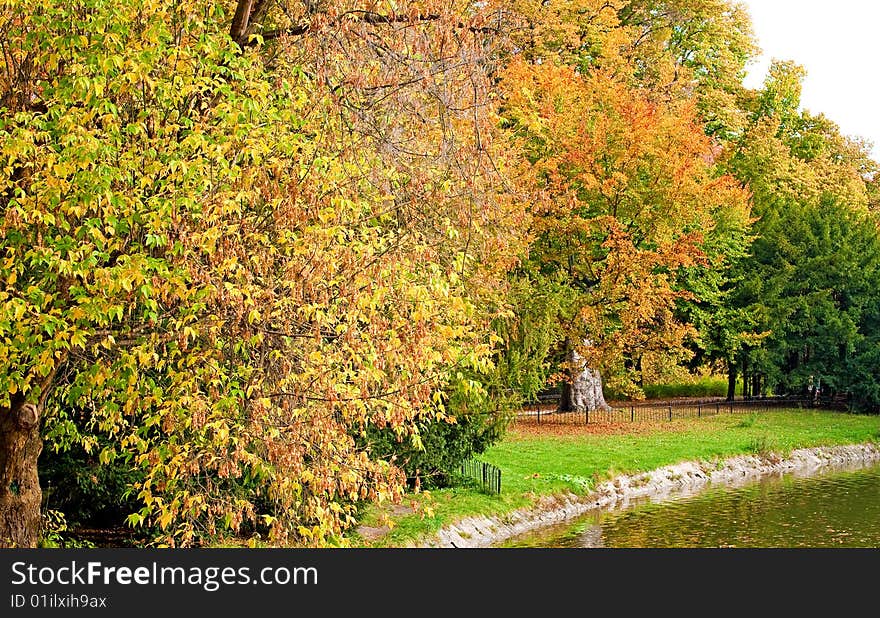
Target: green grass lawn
x,y
537,461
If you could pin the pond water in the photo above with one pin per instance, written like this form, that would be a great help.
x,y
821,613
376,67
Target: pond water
x,y
836,507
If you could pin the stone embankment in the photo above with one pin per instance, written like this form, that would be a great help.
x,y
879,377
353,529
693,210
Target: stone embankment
x,y
676,480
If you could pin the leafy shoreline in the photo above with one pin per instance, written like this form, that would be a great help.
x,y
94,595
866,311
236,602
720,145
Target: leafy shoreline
x,y
683,478
539,464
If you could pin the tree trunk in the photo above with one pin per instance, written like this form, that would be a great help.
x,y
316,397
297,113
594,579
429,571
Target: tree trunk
x,y
20,494
583,391
731,380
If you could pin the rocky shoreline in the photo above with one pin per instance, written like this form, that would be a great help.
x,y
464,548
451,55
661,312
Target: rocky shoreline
x,y
679,479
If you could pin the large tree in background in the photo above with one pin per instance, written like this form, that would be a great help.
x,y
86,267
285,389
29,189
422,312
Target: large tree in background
x,y
626,197
234,236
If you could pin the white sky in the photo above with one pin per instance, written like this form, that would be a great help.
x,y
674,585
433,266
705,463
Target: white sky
x,y
838,43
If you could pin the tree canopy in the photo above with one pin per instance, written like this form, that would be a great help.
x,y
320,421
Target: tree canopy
x,y
275,258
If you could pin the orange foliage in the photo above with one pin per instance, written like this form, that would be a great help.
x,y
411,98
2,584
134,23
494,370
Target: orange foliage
x,y
625,195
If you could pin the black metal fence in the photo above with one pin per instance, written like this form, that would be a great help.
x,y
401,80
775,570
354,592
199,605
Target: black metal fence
x,y
670,410
485,474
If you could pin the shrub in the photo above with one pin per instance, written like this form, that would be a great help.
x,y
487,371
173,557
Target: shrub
x,y
703,386
85,491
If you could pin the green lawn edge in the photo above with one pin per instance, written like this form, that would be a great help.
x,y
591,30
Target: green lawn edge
x,y
536,466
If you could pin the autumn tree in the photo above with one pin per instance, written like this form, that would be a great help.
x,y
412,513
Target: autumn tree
x,y
694,49
628,197
233,238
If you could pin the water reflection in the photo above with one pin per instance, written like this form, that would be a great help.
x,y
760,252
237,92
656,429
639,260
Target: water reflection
x,y
835,508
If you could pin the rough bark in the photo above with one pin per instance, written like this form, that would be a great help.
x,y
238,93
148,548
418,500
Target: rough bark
x,y
583,391
20,495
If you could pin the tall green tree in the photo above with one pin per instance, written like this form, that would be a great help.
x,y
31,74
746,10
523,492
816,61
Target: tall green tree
x,y
808,284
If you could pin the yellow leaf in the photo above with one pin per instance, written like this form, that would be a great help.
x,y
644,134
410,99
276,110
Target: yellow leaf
x,y
165,520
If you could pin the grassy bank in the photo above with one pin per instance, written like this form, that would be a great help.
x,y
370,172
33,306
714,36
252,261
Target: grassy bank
x,y
538,460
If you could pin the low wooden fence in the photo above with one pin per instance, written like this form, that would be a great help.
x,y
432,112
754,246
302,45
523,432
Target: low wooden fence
x,y
485,474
